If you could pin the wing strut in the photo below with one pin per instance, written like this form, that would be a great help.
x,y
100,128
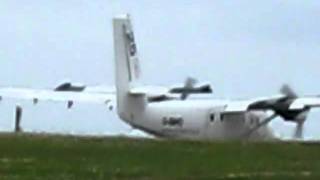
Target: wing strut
x,y
262,123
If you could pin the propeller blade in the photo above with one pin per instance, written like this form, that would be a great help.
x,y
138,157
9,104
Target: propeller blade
x,y
190,82
288,91
300,119
188,86
298,133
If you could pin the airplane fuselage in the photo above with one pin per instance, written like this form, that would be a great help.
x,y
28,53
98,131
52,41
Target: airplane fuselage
x,y
198,119
165,116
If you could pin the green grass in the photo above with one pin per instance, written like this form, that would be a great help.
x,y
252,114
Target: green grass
x,y
65,157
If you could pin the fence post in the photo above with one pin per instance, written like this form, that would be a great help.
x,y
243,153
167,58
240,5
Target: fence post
x,y
18,116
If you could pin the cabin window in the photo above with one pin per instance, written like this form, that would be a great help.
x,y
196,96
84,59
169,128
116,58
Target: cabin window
x,y
212,117
222,117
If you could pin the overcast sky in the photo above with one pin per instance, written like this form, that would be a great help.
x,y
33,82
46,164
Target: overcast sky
x,y
244,48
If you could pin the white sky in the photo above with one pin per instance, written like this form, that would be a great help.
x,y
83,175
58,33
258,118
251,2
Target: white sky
x,y
244,48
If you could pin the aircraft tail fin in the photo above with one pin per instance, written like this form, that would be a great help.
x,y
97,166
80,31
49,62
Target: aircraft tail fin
x,y
127,67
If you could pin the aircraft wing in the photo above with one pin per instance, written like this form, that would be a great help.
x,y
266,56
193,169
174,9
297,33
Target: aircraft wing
x,y
305,102
245,105
288,106
279,102
70,98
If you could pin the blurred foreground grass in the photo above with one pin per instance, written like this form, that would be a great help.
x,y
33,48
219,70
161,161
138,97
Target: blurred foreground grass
x,y
27,156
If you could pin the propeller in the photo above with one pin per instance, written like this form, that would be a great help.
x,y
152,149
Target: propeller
x,y
297,116
281,107
188,87
288,91
301,118
298,133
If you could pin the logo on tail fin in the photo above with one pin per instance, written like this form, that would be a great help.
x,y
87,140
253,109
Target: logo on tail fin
x,y
134,67
132,44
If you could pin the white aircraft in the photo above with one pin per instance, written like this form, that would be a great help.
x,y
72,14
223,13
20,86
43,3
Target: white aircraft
x,y
195,118
168,112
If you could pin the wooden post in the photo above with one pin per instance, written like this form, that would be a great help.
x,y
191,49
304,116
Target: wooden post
x,y
18,117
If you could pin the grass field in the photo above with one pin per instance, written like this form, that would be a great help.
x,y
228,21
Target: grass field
x,y
64,157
